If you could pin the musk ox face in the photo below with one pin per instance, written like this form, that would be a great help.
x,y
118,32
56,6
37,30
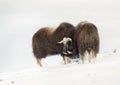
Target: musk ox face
x,y
87,41
67,49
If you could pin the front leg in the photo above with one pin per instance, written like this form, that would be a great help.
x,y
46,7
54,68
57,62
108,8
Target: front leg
x,y
66,60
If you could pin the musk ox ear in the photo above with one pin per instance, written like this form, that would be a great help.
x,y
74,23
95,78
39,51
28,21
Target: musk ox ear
x,y
65,40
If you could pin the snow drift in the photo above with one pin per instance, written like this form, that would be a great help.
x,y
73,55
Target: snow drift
x,y
106,71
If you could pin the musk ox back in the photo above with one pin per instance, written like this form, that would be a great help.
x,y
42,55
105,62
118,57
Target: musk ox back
x,y
45,41
87,41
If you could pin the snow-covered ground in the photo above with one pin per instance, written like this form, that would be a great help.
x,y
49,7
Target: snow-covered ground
x,y
106,71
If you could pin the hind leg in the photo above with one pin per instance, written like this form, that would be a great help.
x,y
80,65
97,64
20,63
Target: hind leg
x,y
81,58
85,58
93,56
39,62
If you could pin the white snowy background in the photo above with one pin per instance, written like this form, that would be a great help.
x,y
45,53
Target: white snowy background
x,y
20,19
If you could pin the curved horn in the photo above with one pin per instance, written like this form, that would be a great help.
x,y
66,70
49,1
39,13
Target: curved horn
x,y
65,40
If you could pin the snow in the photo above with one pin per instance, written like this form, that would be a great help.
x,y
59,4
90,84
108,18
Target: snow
x,y
105,71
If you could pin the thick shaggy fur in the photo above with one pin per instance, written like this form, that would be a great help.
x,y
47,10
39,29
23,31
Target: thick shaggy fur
x,y
45,41
87,41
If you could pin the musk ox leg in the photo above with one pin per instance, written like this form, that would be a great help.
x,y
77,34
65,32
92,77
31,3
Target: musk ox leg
x,y
85,57
93,56
80,61
66,60
39,62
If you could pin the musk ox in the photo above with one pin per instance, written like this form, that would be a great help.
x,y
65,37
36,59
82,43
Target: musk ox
x,y
45,41
87,39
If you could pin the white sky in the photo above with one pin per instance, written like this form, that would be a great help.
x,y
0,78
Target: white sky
x,y
20,19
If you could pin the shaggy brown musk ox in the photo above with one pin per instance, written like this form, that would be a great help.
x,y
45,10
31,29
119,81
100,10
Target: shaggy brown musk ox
x,y
45,41
87,41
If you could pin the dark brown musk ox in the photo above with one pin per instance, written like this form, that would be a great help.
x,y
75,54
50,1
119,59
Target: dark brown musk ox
x,y
87,39
46,40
